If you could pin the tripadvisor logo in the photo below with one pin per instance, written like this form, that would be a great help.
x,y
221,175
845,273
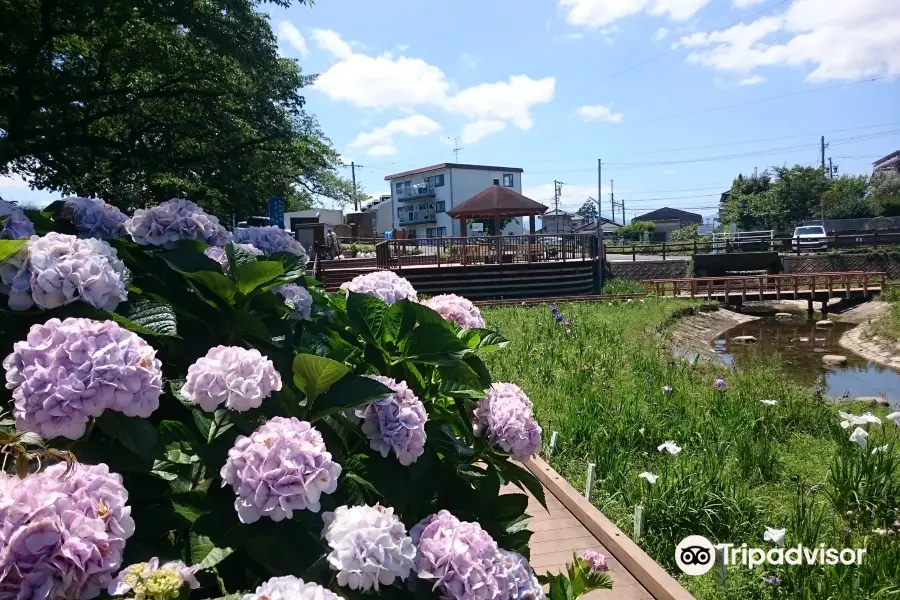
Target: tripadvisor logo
x,y
696,555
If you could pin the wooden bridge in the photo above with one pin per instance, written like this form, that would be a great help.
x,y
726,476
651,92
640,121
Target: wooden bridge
x,y
810,286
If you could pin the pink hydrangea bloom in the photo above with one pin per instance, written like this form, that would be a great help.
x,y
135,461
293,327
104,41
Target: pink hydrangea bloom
x,y
169,222
270,240
456,309
298,298
596,560
66,372
230,375
386,285
396,422
505,416
281,467
62,536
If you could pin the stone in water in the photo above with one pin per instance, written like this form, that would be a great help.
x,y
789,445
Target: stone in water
x,y
744,339
784,316
824,323
834,359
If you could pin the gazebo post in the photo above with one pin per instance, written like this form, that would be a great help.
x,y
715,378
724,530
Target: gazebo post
x,y
531,249
465,243
499,237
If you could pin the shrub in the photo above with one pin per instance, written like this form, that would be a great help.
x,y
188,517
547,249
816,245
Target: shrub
x,y
208,427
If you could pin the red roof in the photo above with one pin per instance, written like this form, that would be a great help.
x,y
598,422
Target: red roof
x,y
497,201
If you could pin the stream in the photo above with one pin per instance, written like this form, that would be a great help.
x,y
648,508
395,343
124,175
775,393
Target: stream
x,y
801,346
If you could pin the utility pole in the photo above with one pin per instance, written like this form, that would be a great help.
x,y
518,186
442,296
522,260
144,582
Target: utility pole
x,y
623,211
353,171
557,191
822,146
612,198
600,225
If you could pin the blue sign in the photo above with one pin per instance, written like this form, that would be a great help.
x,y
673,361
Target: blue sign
x,y
388,235
276,211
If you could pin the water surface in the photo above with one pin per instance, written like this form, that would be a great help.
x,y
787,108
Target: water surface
x,y
802,345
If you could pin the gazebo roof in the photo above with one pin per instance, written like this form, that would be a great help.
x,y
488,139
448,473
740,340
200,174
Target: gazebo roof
x,y
497,201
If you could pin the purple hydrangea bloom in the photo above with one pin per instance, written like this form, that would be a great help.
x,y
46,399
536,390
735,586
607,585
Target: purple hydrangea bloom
x,y
456,309
396,422
66,372
720,384
521,581
282,467
298,298
230,375
62,536
93,217
459,557
386,285
559,318
218,254
177,219
270,240
17,225
290,588
369,546
772,580
58,269
596,560
506,417
150,580
554,309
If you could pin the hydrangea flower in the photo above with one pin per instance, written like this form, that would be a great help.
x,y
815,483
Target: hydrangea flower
x,y
396,422
17,225
177,219
230,375
720,384
281,467
62,536
522,583
456,309
66,372
505,416
596,560
298,298
218,254
386,285
559,318
58,269
459,557
154,582
369,546
270,239
772,580
290,588
93,217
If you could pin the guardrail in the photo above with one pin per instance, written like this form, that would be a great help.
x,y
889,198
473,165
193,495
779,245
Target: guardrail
x,y
506,249
793,285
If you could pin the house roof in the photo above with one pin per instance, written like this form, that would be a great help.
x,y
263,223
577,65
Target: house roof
x,y
556,211
592,225
670,214
440,166
497,201
887,162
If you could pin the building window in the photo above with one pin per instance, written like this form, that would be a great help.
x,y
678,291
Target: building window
x,y
412,233
439,206
507,180
438,180
436,232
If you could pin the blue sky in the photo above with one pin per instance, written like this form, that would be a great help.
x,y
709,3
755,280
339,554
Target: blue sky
x,y
553,86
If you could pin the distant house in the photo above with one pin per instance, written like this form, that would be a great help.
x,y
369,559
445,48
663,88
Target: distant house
x,y
668,220
609,227
328,217
382,215
557,221
887,164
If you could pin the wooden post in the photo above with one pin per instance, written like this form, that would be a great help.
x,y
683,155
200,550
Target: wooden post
x,y
709,289
664,250
553,438
589,484
777,287
761,297
638,522
633,256
743,291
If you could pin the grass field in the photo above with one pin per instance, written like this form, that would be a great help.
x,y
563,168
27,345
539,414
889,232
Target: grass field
x,y
888,326
743,464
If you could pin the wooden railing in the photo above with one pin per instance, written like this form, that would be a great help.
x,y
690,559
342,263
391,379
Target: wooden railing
x,y
499,250
758,286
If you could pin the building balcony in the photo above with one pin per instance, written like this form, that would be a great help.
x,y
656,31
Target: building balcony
x,y
414,192
416,217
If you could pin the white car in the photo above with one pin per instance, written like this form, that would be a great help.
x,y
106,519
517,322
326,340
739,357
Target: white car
x,y
811,237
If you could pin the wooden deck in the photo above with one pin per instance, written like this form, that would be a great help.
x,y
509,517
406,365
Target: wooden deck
x,y
570,525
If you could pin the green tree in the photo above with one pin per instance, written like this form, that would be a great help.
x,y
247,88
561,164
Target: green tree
x,y
588,210
884,194
685,233
845,198
774,200
637,231
140,100
739,204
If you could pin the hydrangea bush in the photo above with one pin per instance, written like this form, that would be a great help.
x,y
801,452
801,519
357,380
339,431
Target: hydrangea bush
x,y
189,417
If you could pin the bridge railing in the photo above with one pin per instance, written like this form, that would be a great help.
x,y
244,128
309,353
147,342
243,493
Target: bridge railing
x,y
506,249
760,285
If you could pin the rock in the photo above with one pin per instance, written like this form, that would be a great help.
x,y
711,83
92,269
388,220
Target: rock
x,y
744,339
834,359
784,315
824,323
819,350
876,400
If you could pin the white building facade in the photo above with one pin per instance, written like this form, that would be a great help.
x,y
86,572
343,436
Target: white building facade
x,y
421,198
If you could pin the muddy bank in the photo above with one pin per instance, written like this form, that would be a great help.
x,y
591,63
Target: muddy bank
x,y
861,341
696,333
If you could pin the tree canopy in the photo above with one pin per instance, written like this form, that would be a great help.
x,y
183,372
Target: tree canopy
x,y
140,100
637,231
588,210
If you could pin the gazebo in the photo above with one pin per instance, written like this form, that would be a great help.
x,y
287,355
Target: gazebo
x,y
497,202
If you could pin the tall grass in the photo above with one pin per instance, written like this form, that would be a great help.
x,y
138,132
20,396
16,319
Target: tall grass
x,y
744,465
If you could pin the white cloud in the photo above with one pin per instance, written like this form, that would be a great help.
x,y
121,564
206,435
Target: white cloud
x,y
598,112
599,13
467,60
293,37
661,34
746,3
404,83
380,141
477,130
752,80
13,182
839,40
402,47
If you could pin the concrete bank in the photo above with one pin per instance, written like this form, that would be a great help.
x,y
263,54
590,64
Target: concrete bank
x,y
696,333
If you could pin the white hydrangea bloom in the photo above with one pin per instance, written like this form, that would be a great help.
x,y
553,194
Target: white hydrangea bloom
x,y
386,285
290,588
370,546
